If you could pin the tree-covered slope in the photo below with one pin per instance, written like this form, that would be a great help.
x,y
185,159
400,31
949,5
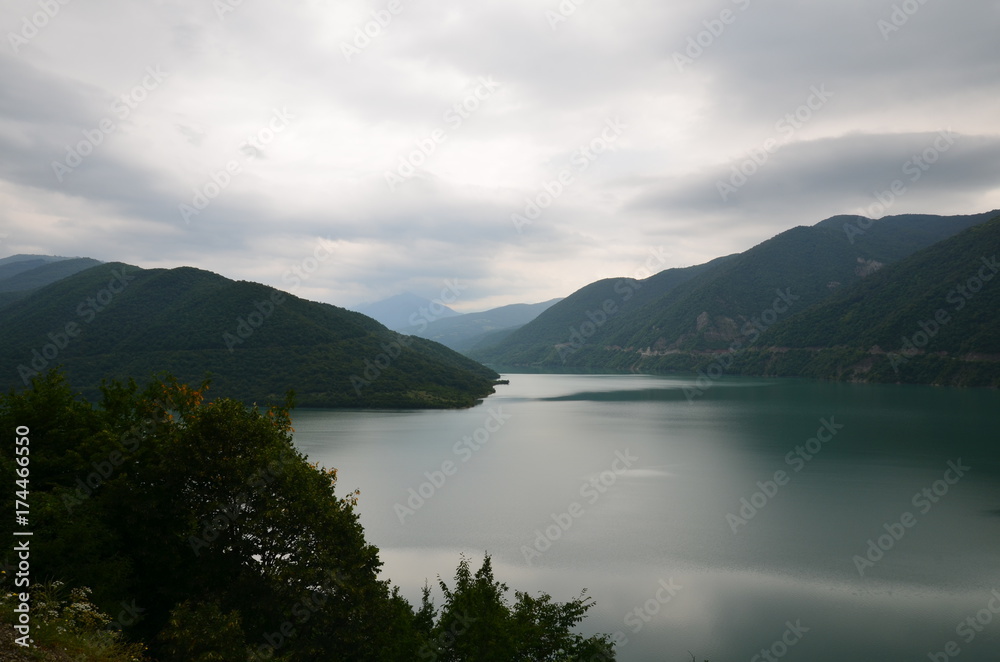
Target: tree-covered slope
x,y
43,274
728,302
257,342
15,264
19,277
895,237
805,264
548,339
930,318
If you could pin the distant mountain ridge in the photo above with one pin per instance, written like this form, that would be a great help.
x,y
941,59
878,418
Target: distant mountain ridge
x,y
685,317
407,312
463,332
19,279
22,274
435,320
116,320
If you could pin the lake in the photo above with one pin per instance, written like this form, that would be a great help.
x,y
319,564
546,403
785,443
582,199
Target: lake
x,y
808,520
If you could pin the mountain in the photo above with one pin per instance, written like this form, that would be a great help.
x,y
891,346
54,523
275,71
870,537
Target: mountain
x,y
729,302
15,264
464,332
406,312
34,271
547,340
21,274
931,318
116,320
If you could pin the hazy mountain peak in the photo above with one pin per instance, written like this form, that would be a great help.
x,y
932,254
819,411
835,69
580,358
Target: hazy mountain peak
x,y
407,311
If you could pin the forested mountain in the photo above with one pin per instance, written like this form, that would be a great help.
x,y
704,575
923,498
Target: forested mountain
x,y
680,318
21,274
15,264
539,342
116,320
929,318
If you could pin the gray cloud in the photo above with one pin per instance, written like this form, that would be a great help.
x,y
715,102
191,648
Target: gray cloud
x,y
848,171
357,118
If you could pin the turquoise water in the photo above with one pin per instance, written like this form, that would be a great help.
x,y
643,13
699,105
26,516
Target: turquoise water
x,y
785,515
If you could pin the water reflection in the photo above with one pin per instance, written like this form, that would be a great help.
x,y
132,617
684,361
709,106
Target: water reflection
x,y
666,516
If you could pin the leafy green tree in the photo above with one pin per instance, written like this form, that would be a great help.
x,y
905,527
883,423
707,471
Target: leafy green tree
x,y
202,633
214,540
476,624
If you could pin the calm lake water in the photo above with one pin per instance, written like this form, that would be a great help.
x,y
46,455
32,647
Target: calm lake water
x,y
620,485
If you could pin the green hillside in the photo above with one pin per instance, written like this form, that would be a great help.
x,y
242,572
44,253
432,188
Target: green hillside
x,y
22,274
930,318
42,275
549,338
115,320
805,264
15,264
725,305
895,237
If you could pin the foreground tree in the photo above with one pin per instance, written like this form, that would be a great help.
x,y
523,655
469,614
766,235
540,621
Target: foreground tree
x,y
477,623
211,537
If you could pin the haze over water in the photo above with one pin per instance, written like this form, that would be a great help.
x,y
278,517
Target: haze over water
x,y
642,481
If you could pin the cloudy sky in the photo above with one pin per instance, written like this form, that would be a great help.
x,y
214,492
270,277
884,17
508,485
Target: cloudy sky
x,y
523,147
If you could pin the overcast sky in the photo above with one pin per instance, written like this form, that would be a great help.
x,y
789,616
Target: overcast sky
x,y
413,138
